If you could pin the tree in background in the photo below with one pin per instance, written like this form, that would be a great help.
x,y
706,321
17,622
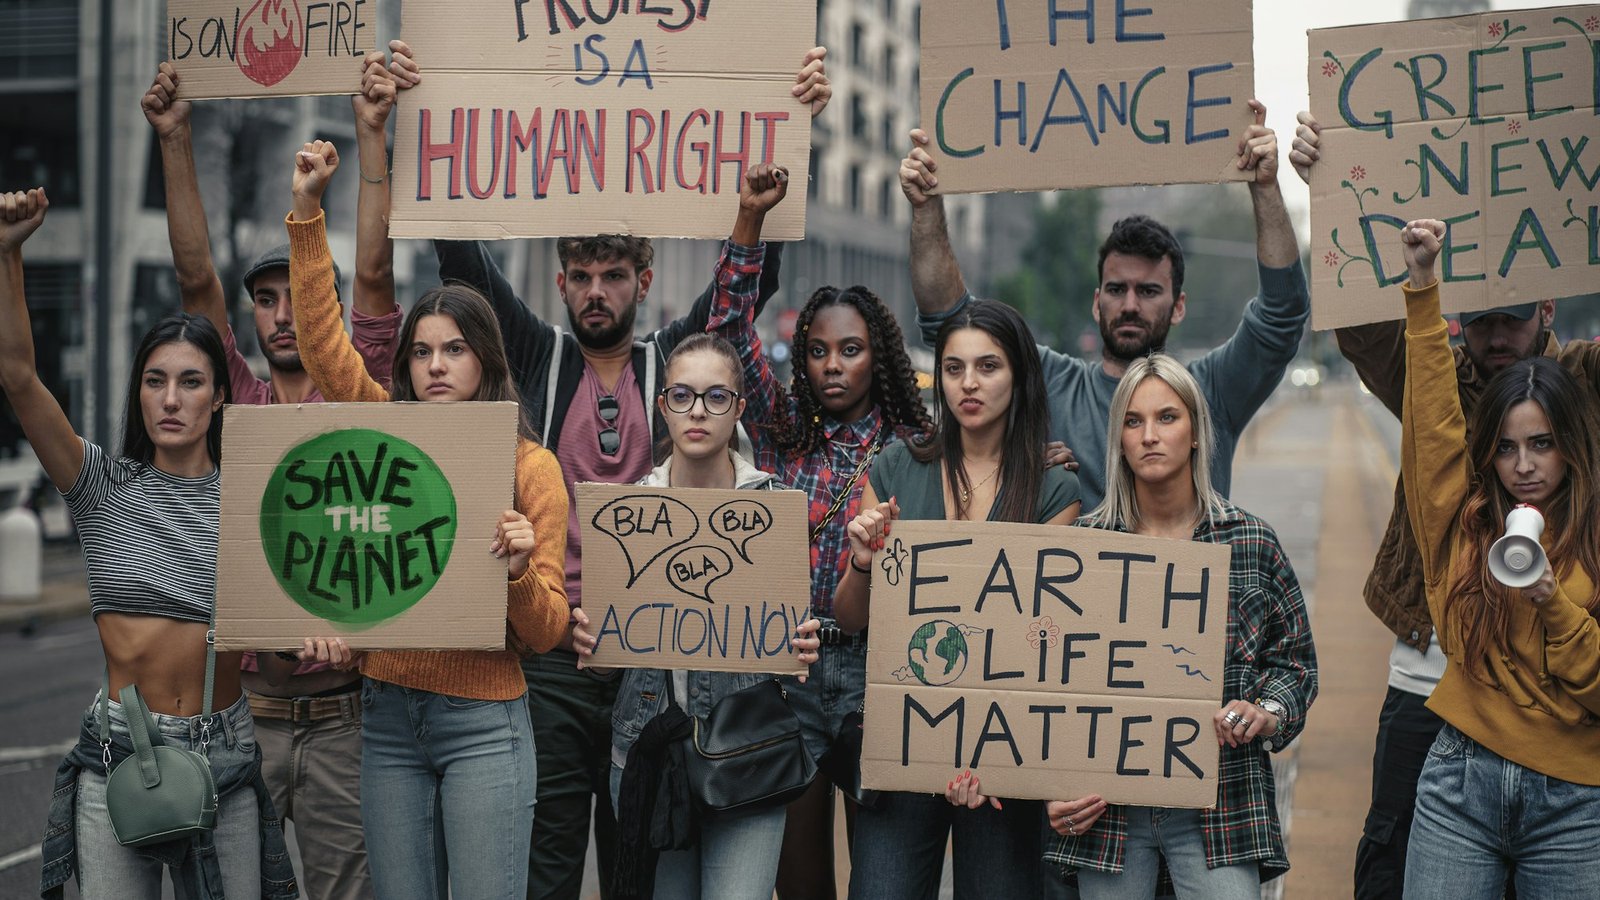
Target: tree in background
x,y
1054,286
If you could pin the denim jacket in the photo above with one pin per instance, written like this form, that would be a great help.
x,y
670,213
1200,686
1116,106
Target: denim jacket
x,y
643,692
192,862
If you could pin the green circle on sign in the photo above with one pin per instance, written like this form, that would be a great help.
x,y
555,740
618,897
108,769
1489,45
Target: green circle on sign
x,y
357,525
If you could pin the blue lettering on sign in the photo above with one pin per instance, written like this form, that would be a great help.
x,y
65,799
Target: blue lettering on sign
x,y
724,632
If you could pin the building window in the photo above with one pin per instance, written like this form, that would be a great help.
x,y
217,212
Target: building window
x,y
55,310
857,48
888,10
886,198
855,189
889,67
38,38
889,142
858,117
155,296
41,146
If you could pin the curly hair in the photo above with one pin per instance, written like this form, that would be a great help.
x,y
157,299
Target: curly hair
x,y
604,248
894,382
1144,237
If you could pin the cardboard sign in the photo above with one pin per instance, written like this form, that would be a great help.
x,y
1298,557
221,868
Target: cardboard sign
x,y
269,48
1052,662
1488,122
684,578
561,117
1027,95
367,521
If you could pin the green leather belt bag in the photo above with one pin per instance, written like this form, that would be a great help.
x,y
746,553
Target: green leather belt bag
x,y
160,793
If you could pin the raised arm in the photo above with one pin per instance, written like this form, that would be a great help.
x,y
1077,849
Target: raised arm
x,y
48,430
1276,245
198,284
1433,442
373,290
852,599
936,282
330,359
738,271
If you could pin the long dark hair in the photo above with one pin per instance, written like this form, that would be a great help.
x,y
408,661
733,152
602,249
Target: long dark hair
x,y
894,381
1027,421
1477,604
481,330
180,328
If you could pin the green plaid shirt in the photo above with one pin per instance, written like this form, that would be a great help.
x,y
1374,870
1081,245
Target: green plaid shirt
x,y
1270,655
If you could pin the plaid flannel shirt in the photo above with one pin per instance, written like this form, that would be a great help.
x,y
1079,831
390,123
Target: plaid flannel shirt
x,y
825,471
1270,656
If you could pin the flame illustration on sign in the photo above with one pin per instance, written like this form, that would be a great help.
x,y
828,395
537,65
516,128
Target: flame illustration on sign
x,y
269,42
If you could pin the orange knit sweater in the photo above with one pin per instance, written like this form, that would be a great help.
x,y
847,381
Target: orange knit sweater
x,y
536,607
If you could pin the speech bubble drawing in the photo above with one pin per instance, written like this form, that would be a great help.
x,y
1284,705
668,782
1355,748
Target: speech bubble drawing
x,y
739,522
646,527
693,570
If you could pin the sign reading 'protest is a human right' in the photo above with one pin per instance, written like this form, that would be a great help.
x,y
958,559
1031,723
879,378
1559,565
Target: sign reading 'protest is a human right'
x,y
1490,123
1022,95
369,521
1052,662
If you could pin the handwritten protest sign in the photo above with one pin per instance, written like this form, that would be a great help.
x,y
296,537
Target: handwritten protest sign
x,y
368,521
269,48
541,119
1052,662
1487,122
682,578
1024,95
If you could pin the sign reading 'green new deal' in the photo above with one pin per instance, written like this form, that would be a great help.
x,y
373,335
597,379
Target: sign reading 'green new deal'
x,y
364,521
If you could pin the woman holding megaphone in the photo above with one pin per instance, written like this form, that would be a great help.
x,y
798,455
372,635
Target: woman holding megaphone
x,y
1512,783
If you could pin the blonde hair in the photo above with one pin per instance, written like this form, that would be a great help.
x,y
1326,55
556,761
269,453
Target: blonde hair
x,y
1121,503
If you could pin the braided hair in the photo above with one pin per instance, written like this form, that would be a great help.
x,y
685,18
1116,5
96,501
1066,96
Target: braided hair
x,y
894,382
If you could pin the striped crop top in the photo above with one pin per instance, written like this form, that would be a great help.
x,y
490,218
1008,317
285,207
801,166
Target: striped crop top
x,y
149,538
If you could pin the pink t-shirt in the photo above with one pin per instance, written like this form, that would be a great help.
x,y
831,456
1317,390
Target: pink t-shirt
x,y
581,459
374,338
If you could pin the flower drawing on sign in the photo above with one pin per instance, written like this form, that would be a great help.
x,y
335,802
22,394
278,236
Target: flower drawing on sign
x,y
269,41
1043,631
894,561
1514,126
1330,259
1358,173
1592,23
1495,29
1330,69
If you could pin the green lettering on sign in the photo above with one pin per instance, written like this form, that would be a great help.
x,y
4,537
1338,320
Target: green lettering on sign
x,y
357,525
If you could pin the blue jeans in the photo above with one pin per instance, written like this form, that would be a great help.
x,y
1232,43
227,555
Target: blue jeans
x,y
835,688
445,779
1154,832
899,848
735,859
1478,815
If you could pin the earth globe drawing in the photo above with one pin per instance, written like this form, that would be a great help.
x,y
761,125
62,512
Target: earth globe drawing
x,y
937,653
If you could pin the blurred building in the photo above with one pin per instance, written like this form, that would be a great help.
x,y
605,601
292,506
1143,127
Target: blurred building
x,y
55,132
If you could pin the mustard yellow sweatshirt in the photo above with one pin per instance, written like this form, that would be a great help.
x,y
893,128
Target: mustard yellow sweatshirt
x,y
536,606
1539,705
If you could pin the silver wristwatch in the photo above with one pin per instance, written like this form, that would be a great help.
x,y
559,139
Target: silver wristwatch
x,y
1277,709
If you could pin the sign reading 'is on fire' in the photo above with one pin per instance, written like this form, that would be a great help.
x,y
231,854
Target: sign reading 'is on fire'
x,y
269,48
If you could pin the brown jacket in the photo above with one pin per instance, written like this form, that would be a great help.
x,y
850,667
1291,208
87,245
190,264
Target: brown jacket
x,y
1395,591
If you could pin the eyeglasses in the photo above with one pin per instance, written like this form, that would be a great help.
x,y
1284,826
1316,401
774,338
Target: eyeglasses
x,y
717,400
610,441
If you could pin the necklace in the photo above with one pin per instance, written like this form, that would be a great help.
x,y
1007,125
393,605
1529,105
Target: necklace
x,y
967,494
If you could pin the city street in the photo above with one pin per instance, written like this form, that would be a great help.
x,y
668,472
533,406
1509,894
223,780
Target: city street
x,y
1318,464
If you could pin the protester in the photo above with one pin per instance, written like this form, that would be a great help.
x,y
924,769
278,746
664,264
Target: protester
x,y
309,727
447,761
1160,485
148,521
589,394
986,459
1512,782
1139,299
854,394
735,852
1492,340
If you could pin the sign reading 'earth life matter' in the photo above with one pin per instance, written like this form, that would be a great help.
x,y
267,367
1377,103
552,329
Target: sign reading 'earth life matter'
x,y
1053,662
365,521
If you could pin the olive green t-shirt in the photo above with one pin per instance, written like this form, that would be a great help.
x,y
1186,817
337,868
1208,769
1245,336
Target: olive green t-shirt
x,y
919,487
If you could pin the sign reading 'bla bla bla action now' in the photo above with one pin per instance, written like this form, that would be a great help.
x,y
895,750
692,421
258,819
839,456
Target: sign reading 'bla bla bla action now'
x,y
369,521
1051,662
541,118
268,48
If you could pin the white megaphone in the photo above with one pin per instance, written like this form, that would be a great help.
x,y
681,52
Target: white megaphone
x,y
1516,560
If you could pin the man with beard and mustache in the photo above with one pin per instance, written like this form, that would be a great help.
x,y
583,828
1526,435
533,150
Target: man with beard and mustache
x,y
1492,340
589,389
1139,299
308,723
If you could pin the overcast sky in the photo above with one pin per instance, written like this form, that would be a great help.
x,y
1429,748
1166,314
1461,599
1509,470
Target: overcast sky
x,y
1281,65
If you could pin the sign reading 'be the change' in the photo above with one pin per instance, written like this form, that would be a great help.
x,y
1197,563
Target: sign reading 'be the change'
x,y
367,521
